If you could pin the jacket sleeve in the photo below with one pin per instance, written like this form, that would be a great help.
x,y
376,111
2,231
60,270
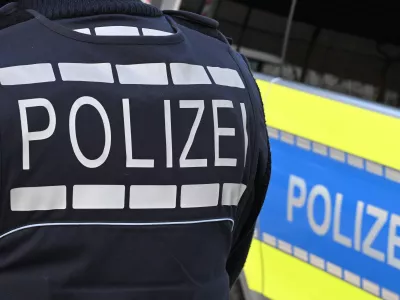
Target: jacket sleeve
x,y
250,206
244,231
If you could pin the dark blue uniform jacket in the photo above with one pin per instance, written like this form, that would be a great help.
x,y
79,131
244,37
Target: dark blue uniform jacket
x,y
134,157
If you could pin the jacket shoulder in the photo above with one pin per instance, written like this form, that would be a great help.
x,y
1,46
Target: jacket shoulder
x,y
198,23
10,15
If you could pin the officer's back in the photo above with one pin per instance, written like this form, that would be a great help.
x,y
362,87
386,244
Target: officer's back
x,y
134,155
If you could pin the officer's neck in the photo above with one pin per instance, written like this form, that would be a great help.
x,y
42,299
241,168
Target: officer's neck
x,y
59,9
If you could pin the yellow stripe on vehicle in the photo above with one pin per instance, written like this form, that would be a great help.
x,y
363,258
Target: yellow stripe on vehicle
x,y
280,276
352,129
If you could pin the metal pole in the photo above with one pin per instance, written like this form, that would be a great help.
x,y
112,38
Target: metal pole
x,y
201,7
244,27
170,4
309,52
287,34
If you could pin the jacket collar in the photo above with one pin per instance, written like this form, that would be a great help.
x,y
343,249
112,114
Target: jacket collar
x,y
60,9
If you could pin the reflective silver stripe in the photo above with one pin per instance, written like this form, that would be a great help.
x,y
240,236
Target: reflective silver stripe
x,y
286,247
370,287
317,261
152,196
226,77
337,155
300,253
352,278
154,32
374,168
150,74
334,269
393,175
320,149
331,268
355,161
86,72
83,30
146,74
231,193
98,197
287,138
273,133
113,196
303,143
117,224
27,74
117,31
184,74
389,295
38,198
269,239
199,195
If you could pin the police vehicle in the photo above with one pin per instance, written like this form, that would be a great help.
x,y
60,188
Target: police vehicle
x,y
330,225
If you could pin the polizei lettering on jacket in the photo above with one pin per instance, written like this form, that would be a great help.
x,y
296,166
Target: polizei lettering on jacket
x,y
217,107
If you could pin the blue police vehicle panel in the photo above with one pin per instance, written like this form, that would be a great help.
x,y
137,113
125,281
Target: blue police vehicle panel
x,y
340,209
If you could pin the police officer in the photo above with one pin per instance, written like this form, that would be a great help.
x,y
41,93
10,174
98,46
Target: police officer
x,y
134,154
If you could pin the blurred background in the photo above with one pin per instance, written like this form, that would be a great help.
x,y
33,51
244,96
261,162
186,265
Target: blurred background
x,y
347,47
